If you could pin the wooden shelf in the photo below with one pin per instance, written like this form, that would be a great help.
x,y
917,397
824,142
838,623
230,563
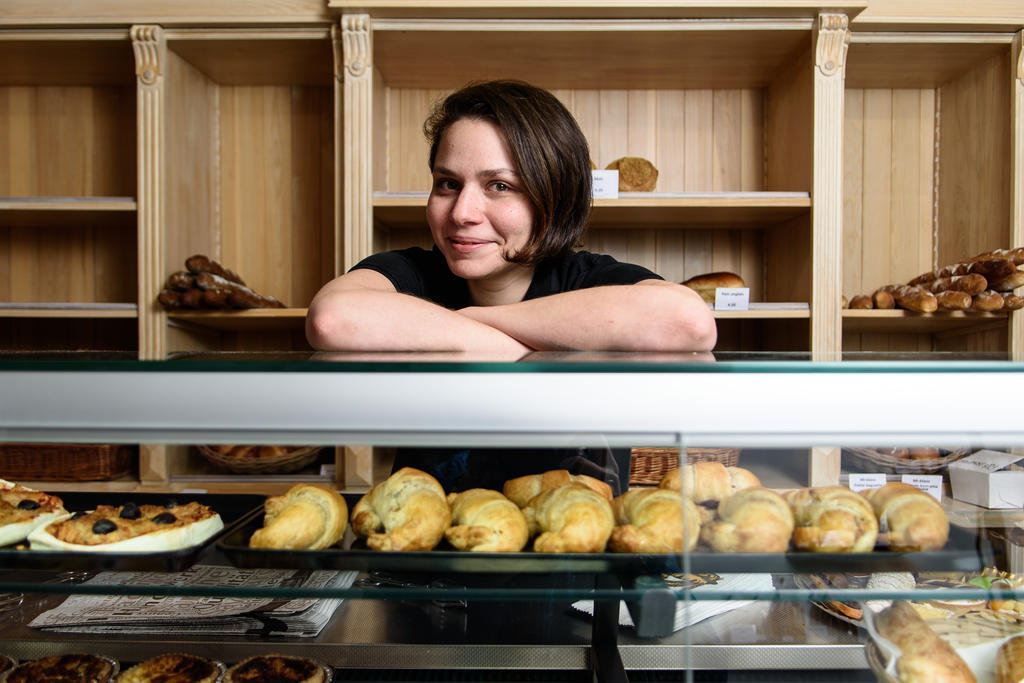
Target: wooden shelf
x,y
251,320
66,211
765,314
268,56
917,60
68,310
639,210
907,322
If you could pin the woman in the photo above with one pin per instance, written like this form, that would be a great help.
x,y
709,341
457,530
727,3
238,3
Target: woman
x,y
510,199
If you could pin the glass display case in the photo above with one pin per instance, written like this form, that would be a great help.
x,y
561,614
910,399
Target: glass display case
x,y
703,614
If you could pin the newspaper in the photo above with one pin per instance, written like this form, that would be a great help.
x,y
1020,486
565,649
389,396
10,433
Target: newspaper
x,y
149,614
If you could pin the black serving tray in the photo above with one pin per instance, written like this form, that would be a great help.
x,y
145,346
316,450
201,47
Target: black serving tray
x,y
231,507
963,552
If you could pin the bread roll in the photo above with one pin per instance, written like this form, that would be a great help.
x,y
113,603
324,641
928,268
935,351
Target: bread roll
x,y
908,518
406,511
706,284
484,520
572,518
522,489
832,519
924,656
307,517
1010,661
753,520
708,481
883,300
862,302
654,520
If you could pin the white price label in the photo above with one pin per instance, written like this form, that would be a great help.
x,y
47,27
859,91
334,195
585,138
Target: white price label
x,y
929,483
606,184
732,298
863,482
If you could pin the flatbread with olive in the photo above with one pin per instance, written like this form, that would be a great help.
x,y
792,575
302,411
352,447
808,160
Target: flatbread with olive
x,y
23,509
130,528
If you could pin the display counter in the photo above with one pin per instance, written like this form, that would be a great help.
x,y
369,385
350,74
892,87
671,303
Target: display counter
x,y
555,615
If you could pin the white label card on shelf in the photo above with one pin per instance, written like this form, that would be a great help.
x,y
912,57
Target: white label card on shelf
x,y
606,184
863,482
929,483
732,298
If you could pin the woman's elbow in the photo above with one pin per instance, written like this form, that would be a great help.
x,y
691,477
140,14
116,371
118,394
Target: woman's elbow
x,y
327,328
698,330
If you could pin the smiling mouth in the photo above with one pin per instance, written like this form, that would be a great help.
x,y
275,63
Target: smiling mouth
x,y
466,245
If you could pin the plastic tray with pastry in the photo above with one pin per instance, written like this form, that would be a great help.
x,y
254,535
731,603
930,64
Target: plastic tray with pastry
x,y
557,521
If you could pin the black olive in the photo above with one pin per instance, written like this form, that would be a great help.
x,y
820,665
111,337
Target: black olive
x,y
104,526
130,511
26,504
165,518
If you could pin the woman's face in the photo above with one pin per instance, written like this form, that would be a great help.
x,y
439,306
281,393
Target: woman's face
x,y
477,209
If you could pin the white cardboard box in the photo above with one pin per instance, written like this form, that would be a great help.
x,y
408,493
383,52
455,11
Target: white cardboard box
x,y
982,479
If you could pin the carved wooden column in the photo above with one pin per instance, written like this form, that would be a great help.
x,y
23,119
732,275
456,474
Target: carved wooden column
x,y
150,60
1016,338
356,139
831,38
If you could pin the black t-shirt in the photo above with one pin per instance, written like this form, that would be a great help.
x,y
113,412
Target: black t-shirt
x,y
425,274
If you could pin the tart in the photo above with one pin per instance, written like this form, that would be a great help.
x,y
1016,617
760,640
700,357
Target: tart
x,y
130,528
174,667
22,510
275,668
70,668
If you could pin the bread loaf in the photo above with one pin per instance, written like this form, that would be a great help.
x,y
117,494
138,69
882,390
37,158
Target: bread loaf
x,y
832,519
484,520
1010,661
969,284
1008,283
951,300
753,520
862,302
522,489
307,517
636,174
572,518
908,518
654,520
1012,302
406,511
924,656
987,301
708,481
707,283
914,298
883,300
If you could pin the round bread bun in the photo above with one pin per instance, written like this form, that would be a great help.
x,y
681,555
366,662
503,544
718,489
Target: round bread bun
x,y
173,538
707,283
635,174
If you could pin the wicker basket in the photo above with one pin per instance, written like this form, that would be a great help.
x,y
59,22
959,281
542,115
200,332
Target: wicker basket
x,y
873,460
647,466
66,462
251,462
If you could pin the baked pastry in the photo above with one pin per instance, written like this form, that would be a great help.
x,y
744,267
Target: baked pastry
x,y
636,174
23,509
572,518
908,518
707,283
832,519
522,489
484,520
654,520
949,607
708,481
888,581
306,517
753,520
67,668
275,668
130,528
924,656
174,667
406,511
1009,666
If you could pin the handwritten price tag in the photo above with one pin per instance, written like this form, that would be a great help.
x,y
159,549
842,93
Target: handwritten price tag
x,y
929,483
732,298
863,482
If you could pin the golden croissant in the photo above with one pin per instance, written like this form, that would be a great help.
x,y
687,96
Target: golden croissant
x,y
406,511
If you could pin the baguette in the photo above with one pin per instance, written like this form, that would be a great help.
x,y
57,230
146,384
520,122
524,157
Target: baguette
x,y
198,263
972,284
883,300
915,298
924,656
1012,302
861,302
952,300
238,296
991,269
1016,255
987,301
1008,283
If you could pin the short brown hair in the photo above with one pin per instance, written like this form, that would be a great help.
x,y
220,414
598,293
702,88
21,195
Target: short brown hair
x,y
549,150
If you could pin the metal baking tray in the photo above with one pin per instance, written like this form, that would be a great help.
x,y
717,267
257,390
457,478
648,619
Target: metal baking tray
x,y
963,552
231,507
